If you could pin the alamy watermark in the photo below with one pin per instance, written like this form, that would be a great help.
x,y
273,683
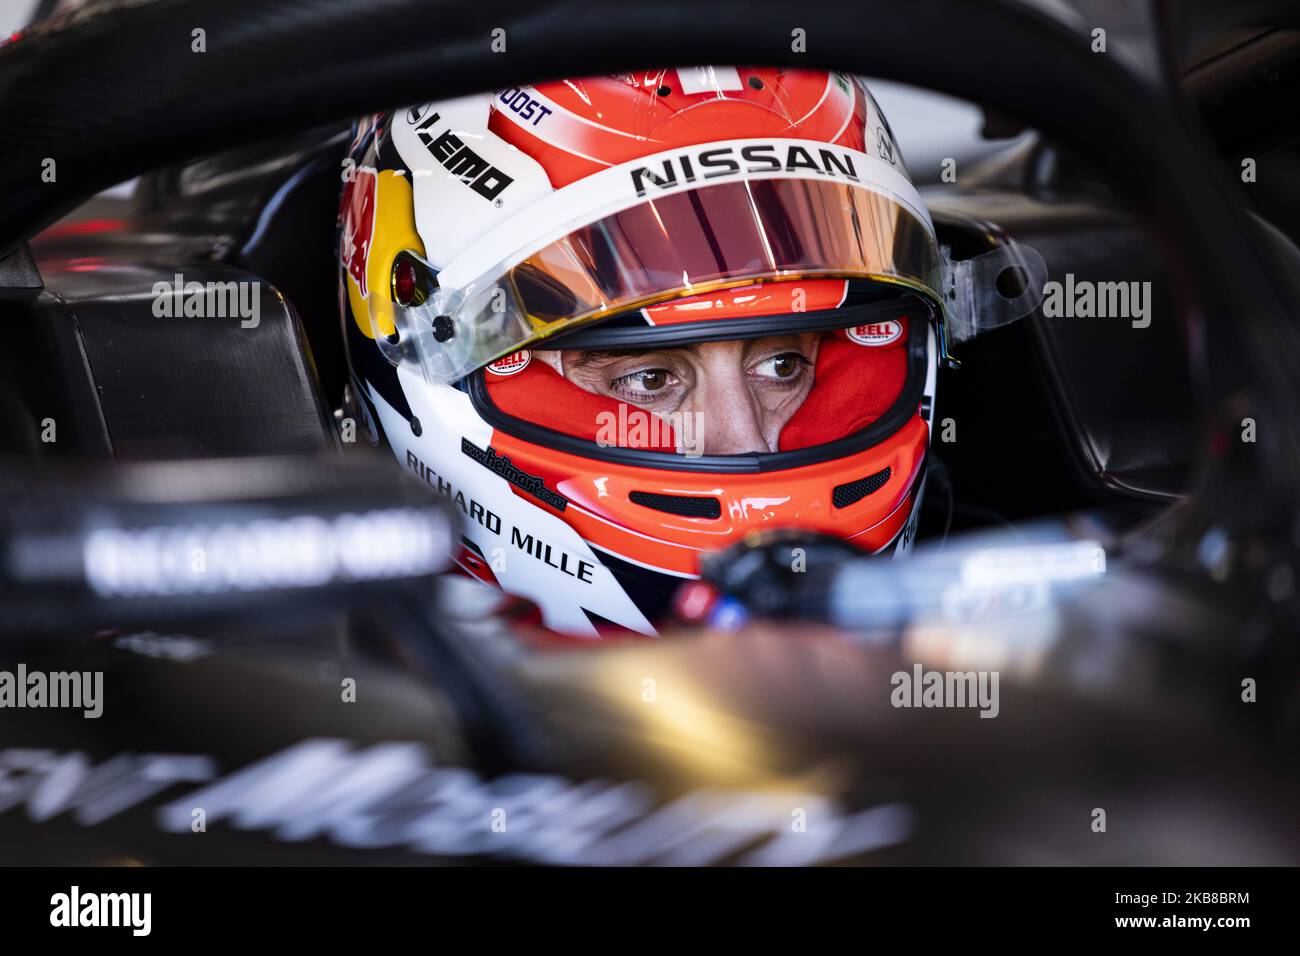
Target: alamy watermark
x,y
131,911
1084,299
633,427
209,300
922,688
83,690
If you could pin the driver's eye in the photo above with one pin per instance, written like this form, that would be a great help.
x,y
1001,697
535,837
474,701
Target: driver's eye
x,y
783,366
647,380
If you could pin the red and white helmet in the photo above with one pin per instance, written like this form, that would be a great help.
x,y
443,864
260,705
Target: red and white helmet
x,y
687,225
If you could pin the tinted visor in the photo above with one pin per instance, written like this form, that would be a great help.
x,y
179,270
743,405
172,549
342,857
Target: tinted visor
x,y
680,243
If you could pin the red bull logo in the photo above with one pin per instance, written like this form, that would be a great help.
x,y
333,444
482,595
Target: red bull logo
x,y
358,226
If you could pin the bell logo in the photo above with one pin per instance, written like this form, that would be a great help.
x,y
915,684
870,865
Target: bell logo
x,y
511,363
876,333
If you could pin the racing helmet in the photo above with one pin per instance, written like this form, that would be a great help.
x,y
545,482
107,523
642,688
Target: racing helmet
x,y
625,320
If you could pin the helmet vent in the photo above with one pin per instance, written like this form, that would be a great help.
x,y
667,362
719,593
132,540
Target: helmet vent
x,y
852,492
685,505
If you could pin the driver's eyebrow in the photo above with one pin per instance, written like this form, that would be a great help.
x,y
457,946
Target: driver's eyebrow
x,y
587,357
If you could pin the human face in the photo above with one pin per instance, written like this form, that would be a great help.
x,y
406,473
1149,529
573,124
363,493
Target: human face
x,y
741,392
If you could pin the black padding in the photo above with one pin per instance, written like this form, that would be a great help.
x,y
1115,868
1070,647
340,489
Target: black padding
x,y
120,380
688,506
851,492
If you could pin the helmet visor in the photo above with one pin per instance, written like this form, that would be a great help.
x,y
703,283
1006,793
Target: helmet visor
x,y
679,243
